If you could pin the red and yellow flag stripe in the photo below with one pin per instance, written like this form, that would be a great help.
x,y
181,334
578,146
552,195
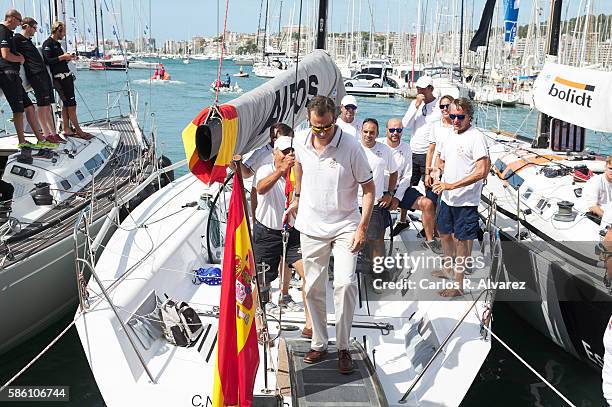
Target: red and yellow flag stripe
x,y
237,349
208,171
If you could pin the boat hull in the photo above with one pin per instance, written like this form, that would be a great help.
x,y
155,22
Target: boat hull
x,y
38,290
564,299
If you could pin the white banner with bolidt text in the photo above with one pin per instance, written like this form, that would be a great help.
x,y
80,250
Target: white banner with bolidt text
x,y
576,95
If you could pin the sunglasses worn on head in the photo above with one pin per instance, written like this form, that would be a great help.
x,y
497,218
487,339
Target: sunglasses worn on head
x,y
396,130
350,107
459,117
322,129
442,107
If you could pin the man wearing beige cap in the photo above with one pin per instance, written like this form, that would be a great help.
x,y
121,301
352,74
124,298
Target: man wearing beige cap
x,y
423,111
347,120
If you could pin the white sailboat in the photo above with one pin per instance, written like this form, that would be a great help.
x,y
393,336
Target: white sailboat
x,y
407,350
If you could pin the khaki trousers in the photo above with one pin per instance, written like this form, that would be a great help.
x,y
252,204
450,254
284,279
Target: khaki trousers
x,y
315,256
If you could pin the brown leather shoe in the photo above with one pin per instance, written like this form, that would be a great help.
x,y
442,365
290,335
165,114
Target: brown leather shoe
x,y
307,333
314,356
345,362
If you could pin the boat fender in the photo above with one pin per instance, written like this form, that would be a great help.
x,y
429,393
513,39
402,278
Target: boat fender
x,y
208,275
181,324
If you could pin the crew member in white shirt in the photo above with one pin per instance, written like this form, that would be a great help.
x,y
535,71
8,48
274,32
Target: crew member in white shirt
x,y
465,165
268,226
423,111
440,131
597,192
381,161
259,157
403,160
347,120
330,167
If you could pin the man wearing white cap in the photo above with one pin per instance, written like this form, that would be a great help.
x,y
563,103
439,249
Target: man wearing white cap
x,y
347,121
269,222
422,112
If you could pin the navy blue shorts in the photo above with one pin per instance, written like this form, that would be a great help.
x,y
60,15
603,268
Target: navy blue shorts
x,y
462,221
433,197
410,197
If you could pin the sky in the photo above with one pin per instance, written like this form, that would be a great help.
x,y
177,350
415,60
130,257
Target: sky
x,y
183,19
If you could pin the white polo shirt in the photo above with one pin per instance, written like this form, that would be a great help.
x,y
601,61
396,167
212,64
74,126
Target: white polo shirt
x,y
382,163
353,128
419,124
438,135
597,191
460,153
402,154
328,195
259,157
271,205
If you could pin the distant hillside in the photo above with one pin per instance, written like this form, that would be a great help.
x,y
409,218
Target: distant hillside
x,y
600,23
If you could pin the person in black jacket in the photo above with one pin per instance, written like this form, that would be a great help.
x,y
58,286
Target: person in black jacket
x,y
36,72
10,82
63,79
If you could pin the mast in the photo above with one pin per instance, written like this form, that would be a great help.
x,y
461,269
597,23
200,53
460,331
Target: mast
x,y
461,44
265,32
102,29
96,48
552,52
322,24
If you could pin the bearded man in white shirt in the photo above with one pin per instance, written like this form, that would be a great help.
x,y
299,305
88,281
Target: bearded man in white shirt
x,y
423,111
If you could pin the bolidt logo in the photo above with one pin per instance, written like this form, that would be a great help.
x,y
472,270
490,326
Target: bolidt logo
x,y
572,92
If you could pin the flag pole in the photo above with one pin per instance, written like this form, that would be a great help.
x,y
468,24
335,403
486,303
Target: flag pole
x,y
237,160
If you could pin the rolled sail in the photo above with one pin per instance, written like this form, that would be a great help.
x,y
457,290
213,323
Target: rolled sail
x,y
576,95
241,125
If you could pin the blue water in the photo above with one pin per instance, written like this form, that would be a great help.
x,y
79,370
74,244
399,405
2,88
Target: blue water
x,y
502,381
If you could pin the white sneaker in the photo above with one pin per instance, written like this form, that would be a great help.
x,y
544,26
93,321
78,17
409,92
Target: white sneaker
x,y
271,308
287,303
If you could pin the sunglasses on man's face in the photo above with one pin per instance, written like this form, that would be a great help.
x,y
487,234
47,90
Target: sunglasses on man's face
x,y
396,130
287,151
350,107
317,129
459,117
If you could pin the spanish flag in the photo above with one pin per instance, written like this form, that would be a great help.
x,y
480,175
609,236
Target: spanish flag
x,y
209,171
237,350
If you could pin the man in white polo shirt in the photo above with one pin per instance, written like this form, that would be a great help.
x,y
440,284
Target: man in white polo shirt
x,y
423,111
330,167
268,226
347,120
465,165
381,161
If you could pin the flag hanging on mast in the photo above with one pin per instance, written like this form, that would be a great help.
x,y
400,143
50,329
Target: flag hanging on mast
x,y
510,20
237,349
480,38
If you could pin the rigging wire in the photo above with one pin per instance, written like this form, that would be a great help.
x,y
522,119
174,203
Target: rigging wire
x,y
218,83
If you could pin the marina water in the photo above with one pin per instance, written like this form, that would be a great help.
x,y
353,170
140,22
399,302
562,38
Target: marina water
x,y
502,381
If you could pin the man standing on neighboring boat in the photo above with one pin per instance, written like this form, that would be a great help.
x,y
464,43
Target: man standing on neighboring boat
x,y
269,223
347,120
423,111
381,161
63,79
10,83
36,72
465,165
330,167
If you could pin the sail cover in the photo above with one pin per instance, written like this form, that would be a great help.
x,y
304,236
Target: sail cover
x,y
210,144
510,20
576,95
